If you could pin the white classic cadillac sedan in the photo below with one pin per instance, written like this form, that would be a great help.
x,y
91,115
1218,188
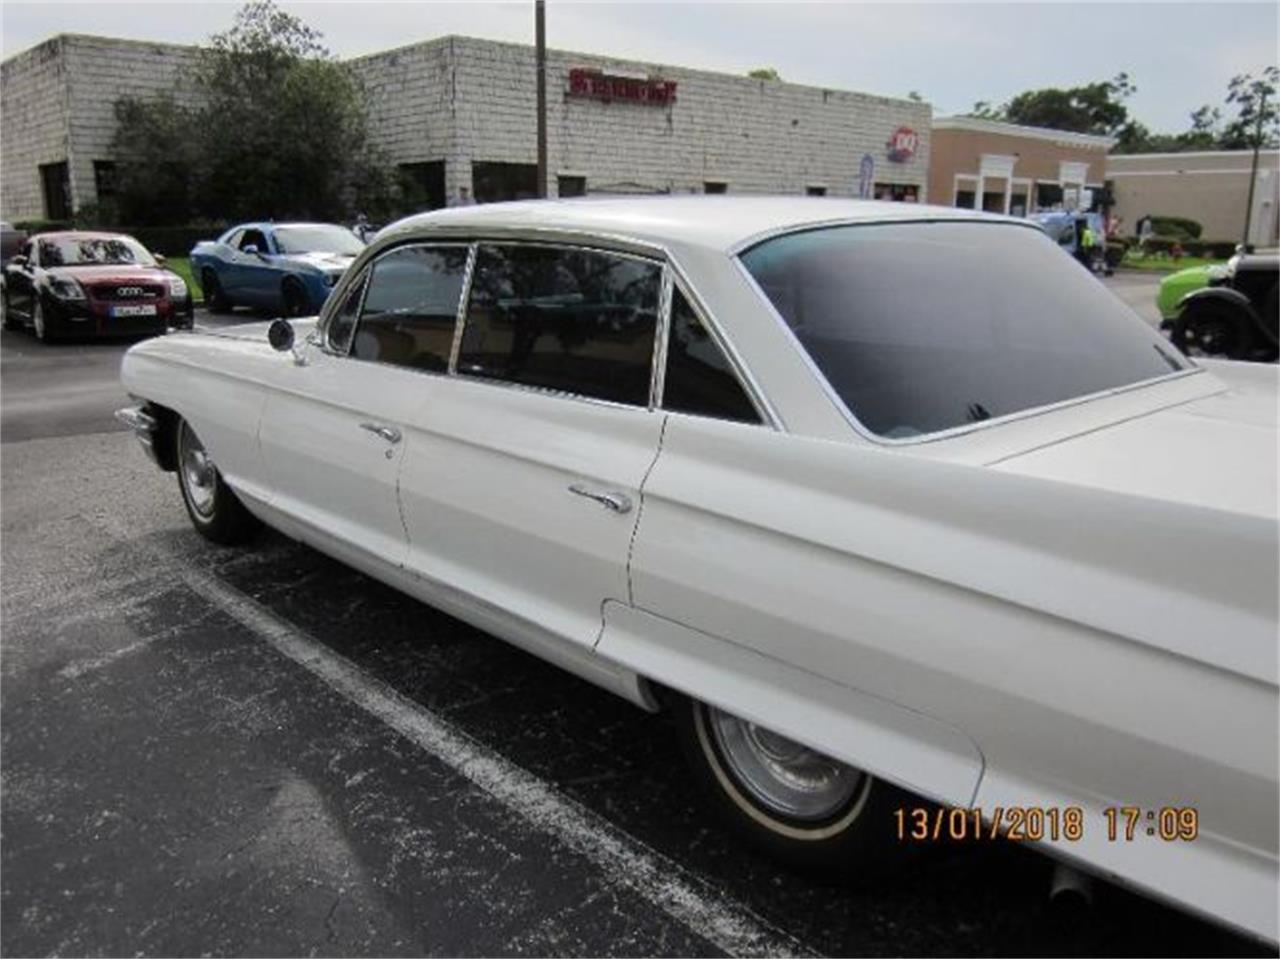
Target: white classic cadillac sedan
x,y
881,502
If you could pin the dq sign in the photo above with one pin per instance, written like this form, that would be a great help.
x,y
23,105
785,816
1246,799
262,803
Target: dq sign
x,y
902,145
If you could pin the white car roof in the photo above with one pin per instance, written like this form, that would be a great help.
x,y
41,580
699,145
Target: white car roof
x,y
718,222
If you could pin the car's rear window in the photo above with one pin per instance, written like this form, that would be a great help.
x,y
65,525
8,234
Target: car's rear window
x,y
924,326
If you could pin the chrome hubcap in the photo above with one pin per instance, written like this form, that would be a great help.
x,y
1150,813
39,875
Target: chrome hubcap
x,y
781,775
198,474
38,319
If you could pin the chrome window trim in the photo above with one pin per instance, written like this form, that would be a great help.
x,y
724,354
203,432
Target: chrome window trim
x,y
569,245
951,432
322,327
367,270
464,302
768,416
614,244
991,219
662,334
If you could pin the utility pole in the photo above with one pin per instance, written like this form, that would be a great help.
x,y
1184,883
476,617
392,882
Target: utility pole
x,y
1253,170
540,33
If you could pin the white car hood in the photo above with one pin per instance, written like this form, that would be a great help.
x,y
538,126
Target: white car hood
x,y
1217,451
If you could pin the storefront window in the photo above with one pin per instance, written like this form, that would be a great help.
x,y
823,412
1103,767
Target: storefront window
x,y
901,192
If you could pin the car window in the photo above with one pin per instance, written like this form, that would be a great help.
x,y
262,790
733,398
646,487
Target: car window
x,y
699,378
254,238
233,240
564,318
410,309
342,323
924,326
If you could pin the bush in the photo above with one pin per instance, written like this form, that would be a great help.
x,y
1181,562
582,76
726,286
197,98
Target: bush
x,y
1208,249
174,241
1179,228
43,226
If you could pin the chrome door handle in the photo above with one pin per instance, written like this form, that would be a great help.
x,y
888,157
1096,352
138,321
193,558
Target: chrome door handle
x,y
617,502
389,434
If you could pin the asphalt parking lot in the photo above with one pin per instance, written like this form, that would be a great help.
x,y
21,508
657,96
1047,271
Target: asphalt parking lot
x,y
262,752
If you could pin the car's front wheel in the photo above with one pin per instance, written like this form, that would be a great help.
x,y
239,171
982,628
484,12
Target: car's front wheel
x,y
1213,333
214,297
793,803
10,321
38,319
215,511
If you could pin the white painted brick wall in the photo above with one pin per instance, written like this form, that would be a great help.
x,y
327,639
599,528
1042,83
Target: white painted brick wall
x,y
460,99
33,126
101,71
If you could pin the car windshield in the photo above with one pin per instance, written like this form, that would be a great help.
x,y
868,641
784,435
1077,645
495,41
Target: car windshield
x,y
318,239
924,326
93,251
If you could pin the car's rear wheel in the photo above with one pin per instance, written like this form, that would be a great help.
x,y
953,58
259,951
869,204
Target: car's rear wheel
x,y
214,509
295,298
795,804
214,296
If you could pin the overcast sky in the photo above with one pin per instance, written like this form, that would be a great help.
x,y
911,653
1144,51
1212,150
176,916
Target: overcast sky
x,y
1180,55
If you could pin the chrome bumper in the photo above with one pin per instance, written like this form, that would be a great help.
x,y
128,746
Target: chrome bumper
x,y
144,427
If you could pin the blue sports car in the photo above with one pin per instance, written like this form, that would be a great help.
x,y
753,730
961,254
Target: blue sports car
x,y
286,267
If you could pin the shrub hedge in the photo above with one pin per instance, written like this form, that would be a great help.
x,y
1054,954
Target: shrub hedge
x,y
1212,249
170,241
1180,227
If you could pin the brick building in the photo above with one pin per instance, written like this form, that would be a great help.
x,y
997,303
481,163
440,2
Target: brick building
x,y
456,115
1006,168
1210,187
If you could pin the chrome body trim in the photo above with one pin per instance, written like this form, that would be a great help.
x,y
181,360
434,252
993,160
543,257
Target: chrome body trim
x,y
144,427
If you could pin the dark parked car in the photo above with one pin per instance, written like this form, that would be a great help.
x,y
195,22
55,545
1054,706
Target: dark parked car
x,y
1235,316
80,283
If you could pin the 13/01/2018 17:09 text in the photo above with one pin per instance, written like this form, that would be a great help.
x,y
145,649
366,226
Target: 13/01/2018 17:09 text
x,y
1123,824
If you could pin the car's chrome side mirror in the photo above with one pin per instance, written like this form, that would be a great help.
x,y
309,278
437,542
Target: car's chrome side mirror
x,y
160,259
18,260
250,249
281,337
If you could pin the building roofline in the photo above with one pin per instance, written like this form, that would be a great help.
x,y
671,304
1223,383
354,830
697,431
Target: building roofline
x,y
1193,153
130,41
461,38
979,125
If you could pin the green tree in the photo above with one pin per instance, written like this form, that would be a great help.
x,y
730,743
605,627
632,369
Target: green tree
x,y
764,73
281,132
1096,108
1257,119
155,156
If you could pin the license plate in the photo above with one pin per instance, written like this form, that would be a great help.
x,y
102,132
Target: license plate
x,y
141,310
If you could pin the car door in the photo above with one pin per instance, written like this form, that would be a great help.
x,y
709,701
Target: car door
x,y
520,487
255,277
20,281
334,430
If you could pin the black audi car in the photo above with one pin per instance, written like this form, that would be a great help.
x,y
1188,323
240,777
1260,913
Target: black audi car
x,y
91,284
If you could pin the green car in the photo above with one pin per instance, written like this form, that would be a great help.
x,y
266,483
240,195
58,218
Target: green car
x,y
1177,285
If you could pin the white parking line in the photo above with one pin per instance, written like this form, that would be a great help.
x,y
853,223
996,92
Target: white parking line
x,y
689,900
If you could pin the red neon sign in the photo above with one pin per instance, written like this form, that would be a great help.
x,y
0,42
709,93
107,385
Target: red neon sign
x,y
598,85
